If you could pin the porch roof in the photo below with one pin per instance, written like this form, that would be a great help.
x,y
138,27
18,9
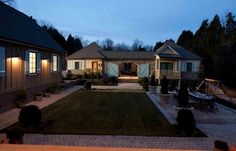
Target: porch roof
x,y
172,50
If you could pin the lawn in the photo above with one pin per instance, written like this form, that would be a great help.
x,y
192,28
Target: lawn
x,y
105,113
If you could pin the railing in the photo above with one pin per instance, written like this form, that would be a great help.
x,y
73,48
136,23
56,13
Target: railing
x,y
81,72
169,74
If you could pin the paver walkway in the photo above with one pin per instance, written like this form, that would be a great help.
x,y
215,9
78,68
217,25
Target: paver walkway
x,y
120,86
10,117
219,126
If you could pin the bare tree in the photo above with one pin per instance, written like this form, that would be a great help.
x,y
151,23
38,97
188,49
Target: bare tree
x,y
108,44
121,47
137,44
8,2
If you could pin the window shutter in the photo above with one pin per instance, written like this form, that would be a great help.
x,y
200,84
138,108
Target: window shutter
x,y
58,64
2,61
52,62
38,62
27,62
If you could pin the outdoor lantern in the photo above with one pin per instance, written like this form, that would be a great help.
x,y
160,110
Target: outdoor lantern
x,y
15,58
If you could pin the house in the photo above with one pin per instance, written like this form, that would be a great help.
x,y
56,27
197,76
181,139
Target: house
x,y
111,63
175,62
30,58
170,60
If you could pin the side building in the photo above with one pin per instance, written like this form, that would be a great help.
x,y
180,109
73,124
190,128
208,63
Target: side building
x,y
30,58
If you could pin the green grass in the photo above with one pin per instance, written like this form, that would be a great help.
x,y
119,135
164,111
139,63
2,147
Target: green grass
x,y
106,113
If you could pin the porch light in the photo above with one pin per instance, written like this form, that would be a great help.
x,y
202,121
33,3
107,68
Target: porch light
x,y
15,58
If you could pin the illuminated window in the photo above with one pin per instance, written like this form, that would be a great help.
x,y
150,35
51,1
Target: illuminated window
x,y
32,62
55,63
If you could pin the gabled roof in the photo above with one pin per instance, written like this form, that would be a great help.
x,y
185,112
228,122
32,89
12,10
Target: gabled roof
x,y
92,51
16,26
172,50
131,55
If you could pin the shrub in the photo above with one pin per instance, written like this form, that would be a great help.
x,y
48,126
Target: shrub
x,y
145,83
79,76
21,95
98,75
15,135
186,121
30,116
87,85
183,98
113,80
164,86
48,90
153,80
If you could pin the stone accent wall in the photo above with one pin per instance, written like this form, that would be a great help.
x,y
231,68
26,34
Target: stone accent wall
x,y
137,62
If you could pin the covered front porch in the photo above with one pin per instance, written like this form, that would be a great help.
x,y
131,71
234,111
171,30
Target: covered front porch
x,y
168,67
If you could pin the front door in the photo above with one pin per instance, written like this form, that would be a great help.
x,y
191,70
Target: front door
x,y
95,66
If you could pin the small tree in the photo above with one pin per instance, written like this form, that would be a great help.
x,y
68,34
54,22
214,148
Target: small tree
x,y
153,80
145,83
164,86
186,121
183,98
30,116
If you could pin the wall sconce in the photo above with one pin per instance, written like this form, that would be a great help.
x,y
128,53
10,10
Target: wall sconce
x,y
44,61
15,58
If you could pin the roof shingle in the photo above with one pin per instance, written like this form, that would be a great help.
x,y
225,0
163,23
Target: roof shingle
x,y
19,27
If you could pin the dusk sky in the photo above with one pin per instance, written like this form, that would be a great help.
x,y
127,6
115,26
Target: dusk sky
x,y
124,20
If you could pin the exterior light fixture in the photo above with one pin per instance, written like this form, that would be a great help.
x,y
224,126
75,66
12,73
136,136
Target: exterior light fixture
x,y
15,58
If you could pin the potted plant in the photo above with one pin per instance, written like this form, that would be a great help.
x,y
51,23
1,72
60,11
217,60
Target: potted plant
x,y
183,98
38,96
55,88
47,92
21,98
87,85
15,135
153,87
164,95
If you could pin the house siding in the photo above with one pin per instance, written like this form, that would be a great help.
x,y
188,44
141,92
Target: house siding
x,y
16,78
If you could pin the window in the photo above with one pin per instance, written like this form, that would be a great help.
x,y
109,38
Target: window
x,y
2,61
55,63
189,67
77,65
32,62
166,65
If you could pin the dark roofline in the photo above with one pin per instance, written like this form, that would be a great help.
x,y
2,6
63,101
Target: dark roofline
x,y
30,45
54,46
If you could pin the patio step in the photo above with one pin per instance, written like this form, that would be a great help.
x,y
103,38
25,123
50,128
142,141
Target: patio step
x,y
128,80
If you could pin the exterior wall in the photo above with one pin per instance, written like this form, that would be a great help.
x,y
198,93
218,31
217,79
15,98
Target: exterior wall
x,y
137,62
85,66
15,75
195,69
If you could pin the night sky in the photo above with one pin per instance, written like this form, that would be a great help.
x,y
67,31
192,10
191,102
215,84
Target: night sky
x,y
125,20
